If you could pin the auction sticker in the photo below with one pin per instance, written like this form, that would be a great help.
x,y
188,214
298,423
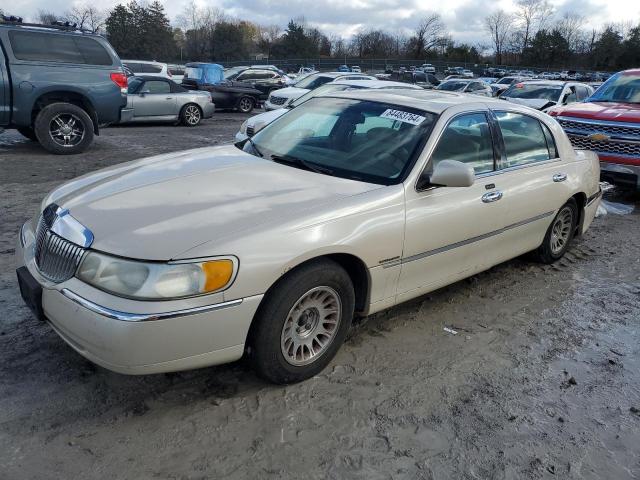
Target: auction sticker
x,y
401,116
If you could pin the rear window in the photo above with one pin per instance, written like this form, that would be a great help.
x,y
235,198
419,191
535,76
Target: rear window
x,y
151,68
48,47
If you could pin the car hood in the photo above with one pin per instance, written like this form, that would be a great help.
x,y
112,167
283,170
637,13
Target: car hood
x,y
617,112
536,103
160,207
259,121
290,92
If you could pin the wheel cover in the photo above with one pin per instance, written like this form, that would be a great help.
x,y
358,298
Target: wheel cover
x,y
245,104
561,230
311,326
66,130
192,115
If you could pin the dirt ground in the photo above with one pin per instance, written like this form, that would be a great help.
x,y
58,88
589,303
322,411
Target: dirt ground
x,y
542,379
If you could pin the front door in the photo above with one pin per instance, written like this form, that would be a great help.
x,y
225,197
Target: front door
x,y
155,100
450,231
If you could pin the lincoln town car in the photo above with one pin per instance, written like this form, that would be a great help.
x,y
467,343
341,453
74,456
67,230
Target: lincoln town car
x,y
268,248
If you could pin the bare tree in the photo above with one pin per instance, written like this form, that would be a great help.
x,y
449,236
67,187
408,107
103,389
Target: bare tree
x,y
427,35
46,17
499,25
86,17
531,16
570,26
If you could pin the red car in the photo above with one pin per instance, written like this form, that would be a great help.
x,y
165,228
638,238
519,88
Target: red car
x,y
608,123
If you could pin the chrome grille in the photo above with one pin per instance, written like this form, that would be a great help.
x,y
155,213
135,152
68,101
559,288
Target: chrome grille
x,y
614,147
55,257
631,132
250,131
277,100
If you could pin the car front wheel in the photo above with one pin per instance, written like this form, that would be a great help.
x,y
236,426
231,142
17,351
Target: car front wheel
x,y
559,234
302,322
245,104
191,115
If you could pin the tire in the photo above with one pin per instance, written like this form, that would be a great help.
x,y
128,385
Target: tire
x,y
64,129
245,104
559,235
28,132
280,328
190,115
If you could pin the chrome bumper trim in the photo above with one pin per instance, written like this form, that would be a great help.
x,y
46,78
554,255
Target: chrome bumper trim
x,y
144,317
594,197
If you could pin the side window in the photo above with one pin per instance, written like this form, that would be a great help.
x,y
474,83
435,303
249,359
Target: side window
x,y
571,95
151,68
582,92
157,86
467,139
51,47
551,142
524,139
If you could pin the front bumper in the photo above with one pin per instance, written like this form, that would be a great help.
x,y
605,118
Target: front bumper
x,y
136,337
268,106
620,174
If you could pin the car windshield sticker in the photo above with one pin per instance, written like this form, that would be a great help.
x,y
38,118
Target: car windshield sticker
x,y
405,117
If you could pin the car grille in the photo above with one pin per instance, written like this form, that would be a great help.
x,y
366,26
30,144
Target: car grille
x,y
56,258
614,130
250,131
277,100
613,147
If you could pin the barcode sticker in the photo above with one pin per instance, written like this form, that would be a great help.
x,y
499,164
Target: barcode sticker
x,y
401,116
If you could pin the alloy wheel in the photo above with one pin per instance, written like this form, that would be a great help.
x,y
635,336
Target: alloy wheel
x,y
192,115
311,326
66,129
245,104
561,230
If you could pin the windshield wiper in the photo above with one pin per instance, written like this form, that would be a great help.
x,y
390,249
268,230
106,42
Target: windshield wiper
x,y
255,147
300,163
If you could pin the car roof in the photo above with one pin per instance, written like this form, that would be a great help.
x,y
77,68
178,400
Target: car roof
x,y
376,84
461,79
153,77
339,74
435,101
149,62
548,82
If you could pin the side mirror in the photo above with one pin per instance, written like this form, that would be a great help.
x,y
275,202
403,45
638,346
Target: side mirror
x,y
450,173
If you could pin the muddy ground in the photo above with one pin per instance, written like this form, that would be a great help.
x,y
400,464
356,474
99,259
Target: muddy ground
x,y
541,381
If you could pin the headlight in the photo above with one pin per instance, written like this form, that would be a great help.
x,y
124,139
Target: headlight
x,y
243,127
147,280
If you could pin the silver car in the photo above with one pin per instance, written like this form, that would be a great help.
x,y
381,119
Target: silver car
x,y
464,85
162,100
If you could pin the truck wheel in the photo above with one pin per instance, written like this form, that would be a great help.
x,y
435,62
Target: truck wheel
x,y
190,115
64,128
245,104
28,133
302,323
559,235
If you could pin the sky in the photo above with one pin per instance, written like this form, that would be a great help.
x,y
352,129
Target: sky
x,y
464,18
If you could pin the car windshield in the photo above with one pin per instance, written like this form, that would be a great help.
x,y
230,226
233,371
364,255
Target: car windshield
x,y
505,80
542,92
621,87
452,86
313,81
322,90
360,140
134,84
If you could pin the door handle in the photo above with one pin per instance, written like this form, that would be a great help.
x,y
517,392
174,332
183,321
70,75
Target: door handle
x,y
168,98
492,196
559,177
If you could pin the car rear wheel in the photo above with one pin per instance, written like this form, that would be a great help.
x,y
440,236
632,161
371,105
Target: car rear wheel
x,y
559,234
191,115
28,132
64,128
302,323
246,104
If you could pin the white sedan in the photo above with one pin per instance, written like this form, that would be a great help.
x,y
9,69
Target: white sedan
x,y
546,94
252,125
347,205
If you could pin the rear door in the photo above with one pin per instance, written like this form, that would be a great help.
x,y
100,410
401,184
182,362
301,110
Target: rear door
x,y
5,100
155,99
534,180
